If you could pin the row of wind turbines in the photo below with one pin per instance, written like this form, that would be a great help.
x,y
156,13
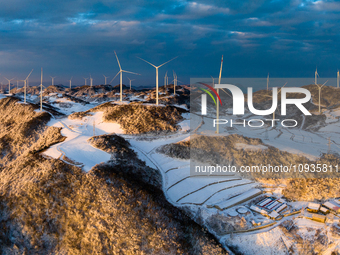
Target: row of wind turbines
x,y
120,72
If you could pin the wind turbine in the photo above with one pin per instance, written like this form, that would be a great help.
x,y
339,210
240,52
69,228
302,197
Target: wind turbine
x,y
320,87
17,84
316,76
218,92
91,80
105,78
213,79
53,80
9,84
130,82
268,81
70,82
157,74
41,89
85,80
166,79
25,83
175,83
337,79
121,71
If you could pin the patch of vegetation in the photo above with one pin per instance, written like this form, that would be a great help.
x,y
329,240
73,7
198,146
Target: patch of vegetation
x,y
311,189
136,118
180,150
21,127
54,89
79,115
125,160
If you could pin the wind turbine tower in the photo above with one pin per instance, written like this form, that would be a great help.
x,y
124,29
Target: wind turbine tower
x,y
53,80
85,80
268,81
316,76
71,82
105,79
156,74
218,92
320,87
9,84
130,82
121,71
213,79
41,89
166,79
91,80
175,83
337,79
25,84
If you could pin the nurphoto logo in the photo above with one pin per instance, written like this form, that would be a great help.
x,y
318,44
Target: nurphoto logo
x,y
238,104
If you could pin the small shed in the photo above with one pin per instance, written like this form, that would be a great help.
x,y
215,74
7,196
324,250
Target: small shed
x,y
319,218
313,207
324,210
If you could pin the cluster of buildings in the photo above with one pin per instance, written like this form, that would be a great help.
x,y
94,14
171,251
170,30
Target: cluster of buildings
x,y
324,209
270,207
273,208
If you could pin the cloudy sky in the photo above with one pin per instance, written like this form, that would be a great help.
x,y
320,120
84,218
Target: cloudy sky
x,y
287,38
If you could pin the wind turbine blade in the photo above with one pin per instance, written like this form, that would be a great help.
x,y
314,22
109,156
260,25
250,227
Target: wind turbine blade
x,y
115,77
130,72
147,62
167,62
324,84
28,75
120,68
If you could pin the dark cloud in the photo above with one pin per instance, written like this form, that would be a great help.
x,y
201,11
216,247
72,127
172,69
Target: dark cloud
x,y
74,38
